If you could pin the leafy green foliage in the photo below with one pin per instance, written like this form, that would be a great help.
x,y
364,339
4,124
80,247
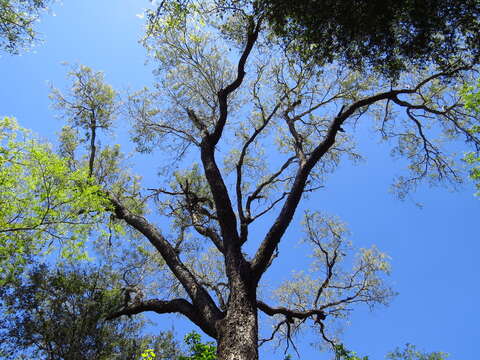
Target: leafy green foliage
x,y
199,350
196,348
148,354
53,201
387,34
42,201
60,314
17,18
471,97
341,353
474,160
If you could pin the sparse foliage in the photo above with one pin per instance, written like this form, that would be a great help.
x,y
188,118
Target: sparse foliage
x,y
17,23
410,352
90,106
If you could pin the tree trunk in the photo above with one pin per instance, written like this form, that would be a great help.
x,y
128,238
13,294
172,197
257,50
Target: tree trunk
x,y
238,331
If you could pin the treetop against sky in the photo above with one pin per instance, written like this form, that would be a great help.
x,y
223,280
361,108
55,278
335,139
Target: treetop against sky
x,y
262,131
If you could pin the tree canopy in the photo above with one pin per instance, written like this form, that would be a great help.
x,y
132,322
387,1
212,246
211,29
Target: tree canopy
x,y
17,23
389,35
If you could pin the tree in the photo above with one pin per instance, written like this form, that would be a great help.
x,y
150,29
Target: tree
x,y
391,35
17,18
280,126
92,109
60,314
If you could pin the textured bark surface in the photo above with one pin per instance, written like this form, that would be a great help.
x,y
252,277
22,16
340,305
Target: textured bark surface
x,y
238,331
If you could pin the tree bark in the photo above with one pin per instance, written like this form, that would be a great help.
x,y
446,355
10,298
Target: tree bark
x,y
238,330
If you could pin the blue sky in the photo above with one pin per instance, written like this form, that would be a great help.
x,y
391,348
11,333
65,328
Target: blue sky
x,y
434,250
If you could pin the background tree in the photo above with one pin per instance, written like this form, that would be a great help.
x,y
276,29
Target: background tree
x,y
42,201
60,314
90,105
48,198
17,23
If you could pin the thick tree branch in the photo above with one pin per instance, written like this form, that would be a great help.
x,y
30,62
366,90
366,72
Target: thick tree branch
x,y
288,313
245,219
211,234
223,94
202,301
274,235
223,205
226,216
180,306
